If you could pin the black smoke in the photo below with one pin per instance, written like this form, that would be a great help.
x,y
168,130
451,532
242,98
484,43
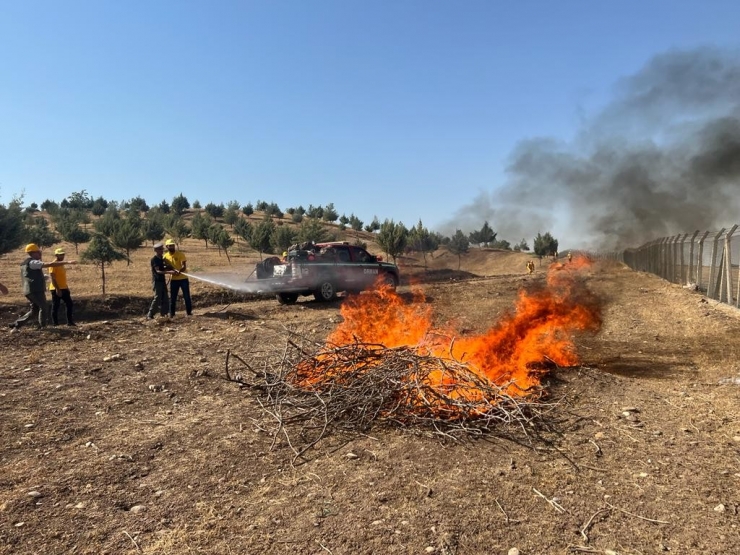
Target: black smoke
x,y
662,158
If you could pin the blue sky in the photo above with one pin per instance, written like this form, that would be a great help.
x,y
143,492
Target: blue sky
x,y
405,109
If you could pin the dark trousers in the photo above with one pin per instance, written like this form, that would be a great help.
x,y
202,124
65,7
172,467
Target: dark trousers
x,y
184,286
160,300
39,310
56,300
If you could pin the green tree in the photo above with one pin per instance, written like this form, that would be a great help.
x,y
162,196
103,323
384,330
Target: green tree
x,y
315,212
313,230
80,200
459,245
260,238
243,229
152,228
40,232
214,210
196,204
71,232
12,226
483,237
128,237
545,245
99,206
231,216
355,223
221,238
100,251
248,209
49,206
297,217
392,238
200,225
421,240
330,214
274,210
180,204
521,245
139,204
108,222
282,238
224,241
373,226
176,227
164,207
344,220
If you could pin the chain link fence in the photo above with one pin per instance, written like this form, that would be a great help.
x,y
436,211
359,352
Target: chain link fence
x,y
705,260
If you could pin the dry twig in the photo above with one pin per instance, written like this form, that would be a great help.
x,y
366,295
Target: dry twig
x,y
311,391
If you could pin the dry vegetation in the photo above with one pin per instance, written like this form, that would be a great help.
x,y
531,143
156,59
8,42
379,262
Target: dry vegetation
x,y
124,436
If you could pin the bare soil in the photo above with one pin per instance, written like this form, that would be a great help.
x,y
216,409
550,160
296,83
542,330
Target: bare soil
x,y
121,435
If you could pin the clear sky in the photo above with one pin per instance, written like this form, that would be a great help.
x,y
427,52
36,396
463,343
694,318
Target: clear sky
x,y
403,109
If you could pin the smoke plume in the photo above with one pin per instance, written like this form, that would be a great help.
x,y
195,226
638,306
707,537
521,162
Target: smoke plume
x,y
662,158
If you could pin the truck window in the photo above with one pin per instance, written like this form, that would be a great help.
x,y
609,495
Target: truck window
x,y
343,255
361,255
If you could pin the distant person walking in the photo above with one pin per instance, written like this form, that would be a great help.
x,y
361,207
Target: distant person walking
x,y
160,270
176,260
530,267
34,285
60,290
570,256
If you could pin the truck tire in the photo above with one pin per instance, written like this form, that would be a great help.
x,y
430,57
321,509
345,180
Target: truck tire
x,y
287,298
326,291
391,281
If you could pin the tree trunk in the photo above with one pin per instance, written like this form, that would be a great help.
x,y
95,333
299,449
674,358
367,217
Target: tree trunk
x,y
102,271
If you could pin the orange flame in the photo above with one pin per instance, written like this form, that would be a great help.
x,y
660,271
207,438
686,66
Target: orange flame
x,y
512,354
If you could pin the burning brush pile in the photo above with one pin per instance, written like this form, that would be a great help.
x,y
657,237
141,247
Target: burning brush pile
x,y
386,364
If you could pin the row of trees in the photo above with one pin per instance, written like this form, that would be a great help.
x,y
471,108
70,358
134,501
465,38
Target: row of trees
x,y
124,226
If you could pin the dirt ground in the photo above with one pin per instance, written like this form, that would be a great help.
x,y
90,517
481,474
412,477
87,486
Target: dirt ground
x,y
121,435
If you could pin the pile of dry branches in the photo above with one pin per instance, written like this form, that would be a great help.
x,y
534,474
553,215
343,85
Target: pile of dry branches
x,y
352,388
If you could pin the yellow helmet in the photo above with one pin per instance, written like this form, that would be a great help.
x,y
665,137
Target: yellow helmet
x,y
32,247
169,242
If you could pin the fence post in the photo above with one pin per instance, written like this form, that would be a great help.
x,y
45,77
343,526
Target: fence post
x,y
677,265
728,262
664,257
691,257
700,261
713,263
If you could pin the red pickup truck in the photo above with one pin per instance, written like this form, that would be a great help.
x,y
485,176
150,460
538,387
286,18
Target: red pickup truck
x,y
323,270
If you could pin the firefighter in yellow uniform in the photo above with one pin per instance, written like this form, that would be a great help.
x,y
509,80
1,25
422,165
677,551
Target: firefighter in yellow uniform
x,y
175,260
60,291
530,267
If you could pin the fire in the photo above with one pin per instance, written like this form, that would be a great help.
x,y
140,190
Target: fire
x,y
512,355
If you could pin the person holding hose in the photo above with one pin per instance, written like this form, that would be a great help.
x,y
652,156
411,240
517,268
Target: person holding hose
x,y
34,285
60,290
176,260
